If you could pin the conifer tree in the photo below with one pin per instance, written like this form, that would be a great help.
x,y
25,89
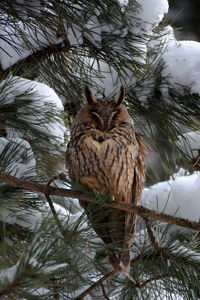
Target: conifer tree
x,y
49,50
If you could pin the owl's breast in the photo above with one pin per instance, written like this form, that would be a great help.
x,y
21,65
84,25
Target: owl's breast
x,y
107,167
100,148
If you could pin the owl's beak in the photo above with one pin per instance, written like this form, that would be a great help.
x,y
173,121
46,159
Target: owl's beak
x,y
105,127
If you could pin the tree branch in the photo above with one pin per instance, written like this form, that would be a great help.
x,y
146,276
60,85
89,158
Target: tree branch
x,y
108,276
11,287
144,283
139,210
37,56
104,292
155,244
55,215
59,224
151,236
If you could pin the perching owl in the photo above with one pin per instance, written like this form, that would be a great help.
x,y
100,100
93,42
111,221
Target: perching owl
x,y
106,154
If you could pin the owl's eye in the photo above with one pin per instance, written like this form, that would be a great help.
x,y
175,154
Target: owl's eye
x,y
115,115
95,116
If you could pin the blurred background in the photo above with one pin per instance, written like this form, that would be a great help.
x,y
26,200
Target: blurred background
x,y
185,16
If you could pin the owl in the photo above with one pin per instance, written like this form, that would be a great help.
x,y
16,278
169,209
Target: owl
x,y
107,155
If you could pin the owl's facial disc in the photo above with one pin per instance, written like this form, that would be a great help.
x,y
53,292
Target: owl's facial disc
x,y
102,114
97,119
105,120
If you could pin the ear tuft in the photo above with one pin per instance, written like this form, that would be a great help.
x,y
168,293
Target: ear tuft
x,y
90,98
119,97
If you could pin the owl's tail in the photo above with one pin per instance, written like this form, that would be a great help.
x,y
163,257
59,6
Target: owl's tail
x,y
121,261
125,259
118,257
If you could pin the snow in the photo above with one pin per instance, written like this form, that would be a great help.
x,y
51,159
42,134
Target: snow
x,y
181,67
189,143
94,31
15,151
17,43
8,275
33,217
15,86
20,161
166,35
141,23
14,48
71,205
123,2
151,13
182,60
179,196
74,35
43,100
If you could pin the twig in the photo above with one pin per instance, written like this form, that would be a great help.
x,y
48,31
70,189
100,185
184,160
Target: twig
x,y
139,210
59,224
55,215
157,247
151,235
155,244
11,287
108,276
104,292
144,283
55,288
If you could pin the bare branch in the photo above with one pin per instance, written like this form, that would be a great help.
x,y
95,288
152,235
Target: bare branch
x,y
151,236
155,244
144,283
104,292
59,224
139,210
108,276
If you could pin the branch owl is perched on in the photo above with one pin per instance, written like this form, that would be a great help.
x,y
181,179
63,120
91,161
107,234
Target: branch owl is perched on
x,y
106,154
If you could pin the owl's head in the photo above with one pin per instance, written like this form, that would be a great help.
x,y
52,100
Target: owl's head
x,y
104,114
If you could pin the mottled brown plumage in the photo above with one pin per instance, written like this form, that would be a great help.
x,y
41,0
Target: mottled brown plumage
x,y
106,154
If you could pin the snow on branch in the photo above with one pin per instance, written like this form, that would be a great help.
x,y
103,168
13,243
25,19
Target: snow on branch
x,y
36,100
182,59
21,42
179,196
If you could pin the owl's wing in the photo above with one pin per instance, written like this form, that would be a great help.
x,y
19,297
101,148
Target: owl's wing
x,y
68,155
137,184
130,218
139,171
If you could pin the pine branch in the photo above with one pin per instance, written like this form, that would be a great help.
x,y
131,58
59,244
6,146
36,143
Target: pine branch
x,y
56,218
54,213
139,210
144,283
108,276
155,244
11,287
104,292
37,56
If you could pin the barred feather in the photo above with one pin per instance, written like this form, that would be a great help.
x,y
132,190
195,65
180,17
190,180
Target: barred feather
x,y
107,155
